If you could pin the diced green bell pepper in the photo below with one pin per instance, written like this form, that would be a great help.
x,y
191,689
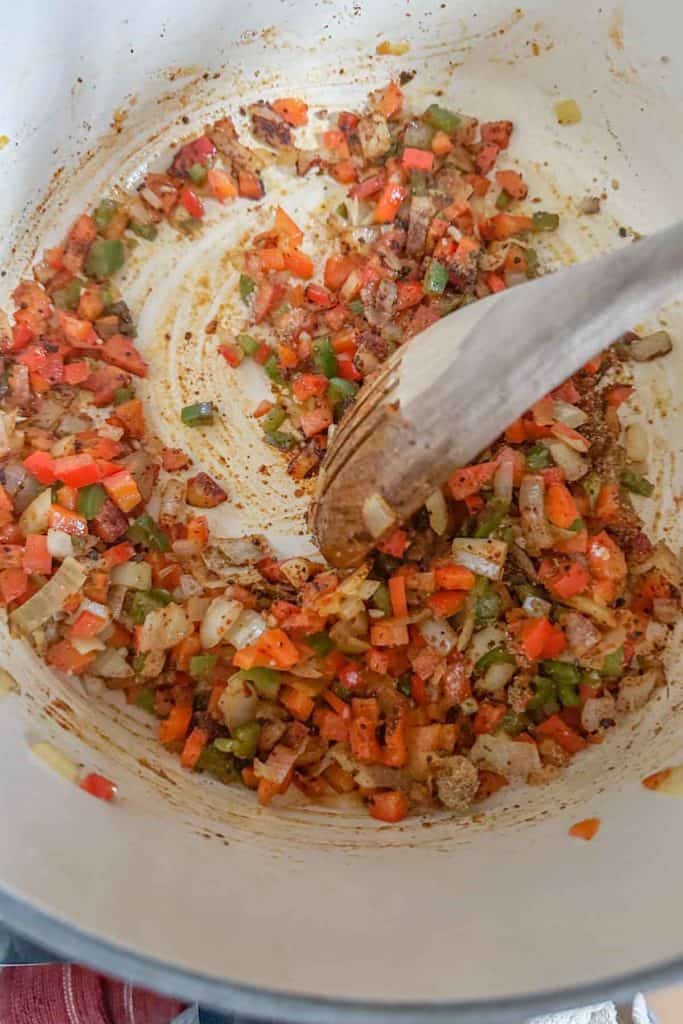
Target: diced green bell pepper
x,y
356,307
68,296
440,119
247,286
104,213
569,695
273,419
243,742
325,358
538,457
214,762
144,530
122,395
198,415
104,258
145,601
265,680
279,439
613,664
147,231
272,368
90,500
562,672
543,221
340,390
436,278
145,700
496,656
405,684
381,599
503,200
491,517
201,665
197,173
320,643
514,722
636,483
248,344
488,604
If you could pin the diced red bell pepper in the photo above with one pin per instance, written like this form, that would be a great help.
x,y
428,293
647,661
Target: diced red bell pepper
x,y
99,786
417,159
488,717
541,639
41,465
87,625
563,734
191,202
388,805
395,544
316,420
76,470
37,558
13,584
319,296
120,351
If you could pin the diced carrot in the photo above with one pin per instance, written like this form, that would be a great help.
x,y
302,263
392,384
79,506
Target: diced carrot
x,y
132,417
194,745
344,171
513,183
76,470
337,269
250,185
174,728
390,100
119,553
489,783
417,159
471,479
515,433
294,111
221,184
123,490
363,741
445,603
298,704
560,507
488,717
272,259
331,726
66,658
316,420
586,829
337,141
441,144
319,296
607,506
496,132
69,522
76,373
558,730
97,586
299,264
540,639
87,625
503,226
564,581
593,365
41,465
340,780
388,805
495,282
397,593
389,202
486,157
386,633
606,560
273,649
655,780
185,650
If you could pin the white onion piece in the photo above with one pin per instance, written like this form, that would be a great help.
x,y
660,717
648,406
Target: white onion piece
x,y
497,676
569,414
439,634
582,635
352,284
468,622
238,703
134,575
280,762
151,198
635,443
573,463
220,616
7,423
196,608
595,710
506,756
537,607
163,628
187,587
649,347
248,628
485,557
35,518
111,664
88,645
635,691
49,600
531,508
587,606
55,759
484,640
60,544
438,512
377,515
503,478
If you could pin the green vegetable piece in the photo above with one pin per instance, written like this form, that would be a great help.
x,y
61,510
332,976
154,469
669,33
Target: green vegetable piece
x,y
279,439
496,656
436,278
68,296
542,221
340,390
418,135
272,368
145,601
214,762
274,418
613,664
201,665
440,119
243,742
104,214
248,344
147,231
569,695
340,691
382,600
265,680
90,500
104,258
488,604
356,307
577,526
545,694
503,200
592,485
247,286
562,672
320,643
197,174
531,262
342,211
538,457
591,678
107,296
145,700
122,395
514,723
325,358
198,415
405,684
144,530
491,517
636,483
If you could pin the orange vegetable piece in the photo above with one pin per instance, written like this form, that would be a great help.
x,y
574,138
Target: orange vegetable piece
x,y
488,717
586,829
299,264
471,479
607,504
66,658
397,593
390,101
655,780
605,558
386,633
388,805
454,577
445,603
194,745
273,649
558,730
298,704
176,725
287,228
560,507
123,490
540,639
292,110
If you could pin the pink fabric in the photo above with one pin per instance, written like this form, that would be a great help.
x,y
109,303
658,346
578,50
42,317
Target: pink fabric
x,y
68,994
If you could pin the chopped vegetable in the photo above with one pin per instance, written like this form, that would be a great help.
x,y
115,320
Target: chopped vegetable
x,y
199,415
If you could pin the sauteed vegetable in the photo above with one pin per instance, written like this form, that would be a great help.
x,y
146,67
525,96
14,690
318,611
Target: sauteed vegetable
x,y
491,639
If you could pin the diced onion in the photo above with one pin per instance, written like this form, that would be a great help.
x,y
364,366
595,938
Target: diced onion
x,y
497,676
218,619
582,635
55,759
8,683
438,512
238,703
196,608
111,664
439,634
635,691
485,557
536,607
573,463
651,346
60,544
377,515
248,628
503,478
34,519
595,710
499,753
484,640
187,587
635,442
88,644
134,575
35,612
587,606
532,511
569,414
163,628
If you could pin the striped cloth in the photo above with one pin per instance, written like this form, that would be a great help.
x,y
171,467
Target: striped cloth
x,y
68,994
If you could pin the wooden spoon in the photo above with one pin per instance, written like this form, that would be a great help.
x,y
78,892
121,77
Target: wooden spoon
x,y
448,394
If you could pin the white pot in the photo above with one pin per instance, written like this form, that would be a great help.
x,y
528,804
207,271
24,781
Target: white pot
x,y
188,886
